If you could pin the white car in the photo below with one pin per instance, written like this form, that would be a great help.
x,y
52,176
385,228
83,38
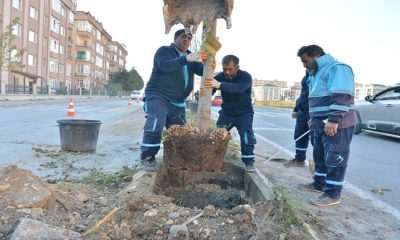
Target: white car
x,y
380,113
136,95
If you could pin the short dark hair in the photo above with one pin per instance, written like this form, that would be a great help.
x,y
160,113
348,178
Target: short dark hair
x,y
180,32
230,58
311,50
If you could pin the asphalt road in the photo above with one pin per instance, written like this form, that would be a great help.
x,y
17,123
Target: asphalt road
x,y
374,159
24,125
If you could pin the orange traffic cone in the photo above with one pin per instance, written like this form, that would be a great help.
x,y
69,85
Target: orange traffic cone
x,y
129,101
71,109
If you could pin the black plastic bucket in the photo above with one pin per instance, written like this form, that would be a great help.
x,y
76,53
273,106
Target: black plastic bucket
x,y
193,107
78,135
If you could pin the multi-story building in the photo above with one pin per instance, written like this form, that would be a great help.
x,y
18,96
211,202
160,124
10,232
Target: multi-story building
x,y
267,92
258,82
44,31
117,56
92,59
369,89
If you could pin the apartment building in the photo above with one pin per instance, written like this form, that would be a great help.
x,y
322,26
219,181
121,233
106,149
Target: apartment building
x,y
92,57
117,53
267,92
45,33
370,89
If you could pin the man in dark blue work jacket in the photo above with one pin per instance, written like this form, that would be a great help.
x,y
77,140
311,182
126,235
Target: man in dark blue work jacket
x,y
237,109
170,83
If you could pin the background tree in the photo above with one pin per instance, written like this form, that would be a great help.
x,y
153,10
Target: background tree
x,y
7,59
128,81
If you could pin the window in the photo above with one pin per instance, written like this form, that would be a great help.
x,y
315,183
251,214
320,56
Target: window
x,y
98,74
83,55
31,60
113,58
68,84
86,84
71,17
16,30
99,49
53,83
61,68
53,66
390,95
83,69
16,4
33,13
112,48
99,61
55,25
98,35
84,26
32,36
63,12
54,45
61,49
68,69
62,30
14,55
56,5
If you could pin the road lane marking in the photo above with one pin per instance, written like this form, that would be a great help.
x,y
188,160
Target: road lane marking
x,y
275,129
274,115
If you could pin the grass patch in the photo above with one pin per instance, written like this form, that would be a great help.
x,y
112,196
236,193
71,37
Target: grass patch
x,y
102,178
280,104
284,210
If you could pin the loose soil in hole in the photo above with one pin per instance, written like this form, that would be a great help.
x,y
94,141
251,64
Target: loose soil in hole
x,y
202,195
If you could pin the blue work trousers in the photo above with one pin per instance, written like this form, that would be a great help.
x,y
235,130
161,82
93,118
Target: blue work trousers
x,y
300,128
331,154
244,125
160,113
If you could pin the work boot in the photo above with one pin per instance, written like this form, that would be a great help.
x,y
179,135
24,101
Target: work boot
x,y
294,163
325,200
250,167
148,164
309,187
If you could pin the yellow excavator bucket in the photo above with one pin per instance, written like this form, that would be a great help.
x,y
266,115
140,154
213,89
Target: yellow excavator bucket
x,y
191,13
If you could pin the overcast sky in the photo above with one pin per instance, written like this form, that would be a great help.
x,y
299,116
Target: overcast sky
x,y
266,34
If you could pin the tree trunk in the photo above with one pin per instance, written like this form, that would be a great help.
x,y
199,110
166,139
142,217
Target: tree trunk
x,y
204,108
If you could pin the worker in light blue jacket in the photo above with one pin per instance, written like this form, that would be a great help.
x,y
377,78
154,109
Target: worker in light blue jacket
x,y
331,100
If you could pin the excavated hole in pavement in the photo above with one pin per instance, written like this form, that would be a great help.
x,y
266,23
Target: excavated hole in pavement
x,y
225,190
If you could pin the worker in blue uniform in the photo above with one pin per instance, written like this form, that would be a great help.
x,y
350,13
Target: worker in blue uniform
x,y
236,109
331,107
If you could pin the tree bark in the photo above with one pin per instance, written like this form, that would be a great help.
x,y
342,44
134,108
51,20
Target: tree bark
x,y
204,108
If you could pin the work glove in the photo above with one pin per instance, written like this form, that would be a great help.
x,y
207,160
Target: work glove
x,y
196,56
212,83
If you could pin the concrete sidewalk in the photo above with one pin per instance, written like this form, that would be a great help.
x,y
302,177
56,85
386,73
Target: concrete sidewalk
x,y
359,216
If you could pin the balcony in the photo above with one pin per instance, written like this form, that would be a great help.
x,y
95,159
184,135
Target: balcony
x,y
83,56
84,29
82,73
85,45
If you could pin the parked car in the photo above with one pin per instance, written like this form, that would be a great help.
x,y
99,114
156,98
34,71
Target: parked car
x,y
380,113
216,101
136,95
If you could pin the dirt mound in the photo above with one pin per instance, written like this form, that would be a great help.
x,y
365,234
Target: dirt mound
x,y
103,212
